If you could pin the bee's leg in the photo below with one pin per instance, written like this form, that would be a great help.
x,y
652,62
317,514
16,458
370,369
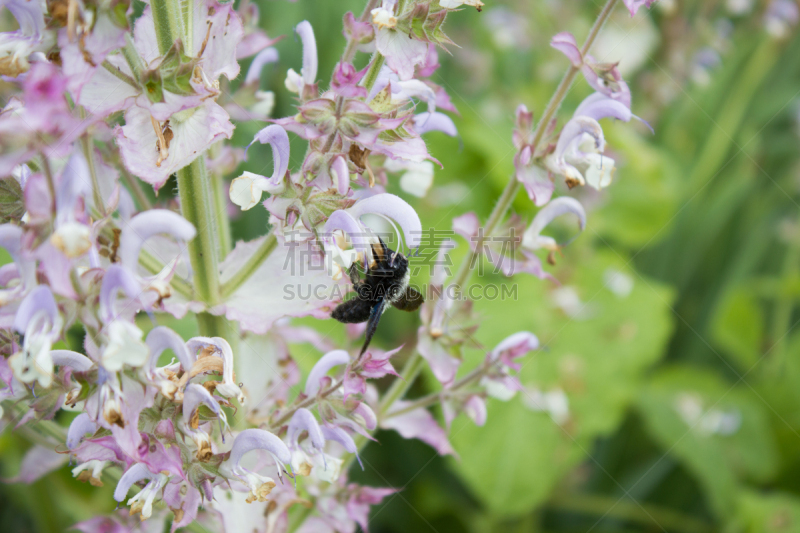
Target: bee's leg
x,y
372,325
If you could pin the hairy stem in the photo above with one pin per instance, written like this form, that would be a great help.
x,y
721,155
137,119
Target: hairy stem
x,y
167,21
119,74
374,69
88,153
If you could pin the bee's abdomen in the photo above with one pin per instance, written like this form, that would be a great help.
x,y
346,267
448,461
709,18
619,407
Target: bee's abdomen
x,y
352,311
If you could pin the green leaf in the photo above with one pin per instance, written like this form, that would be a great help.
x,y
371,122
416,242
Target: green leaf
x,y
738,327
681,407
598,360
765,513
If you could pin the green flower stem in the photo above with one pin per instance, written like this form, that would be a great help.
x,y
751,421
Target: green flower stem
x,y
154,266
252,264
119,74
88,153
133,59
197,207
374,69
220,197
167,20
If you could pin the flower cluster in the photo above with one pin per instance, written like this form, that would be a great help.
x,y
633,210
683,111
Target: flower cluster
x,y
103,101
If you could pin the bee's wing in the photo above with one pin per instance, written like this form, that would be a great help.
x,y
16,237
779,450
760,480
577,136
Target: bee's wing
x,y
372,324
409,301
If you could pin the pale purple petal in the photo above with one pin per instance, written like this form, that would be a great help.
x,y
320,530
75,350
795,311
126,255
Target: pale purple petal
x,y
137,140
39,299
28,14
475,407
532,238
259,439
513,347
435,121
264,57
395,208
359,503
467,225
598,105
193,397
277,138
341,175
134,474
534,178
321,368
146,225
401,52
185,497
443,364
80,426
575,129
306,33
162,338
418,424
303,420
565,43
74,360
38,461
116,279
274,291
226,32
634,5
344,221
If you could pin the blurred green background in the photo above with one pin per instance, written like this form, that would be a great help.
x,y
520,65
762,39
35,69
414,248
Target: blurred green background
x,y
672,332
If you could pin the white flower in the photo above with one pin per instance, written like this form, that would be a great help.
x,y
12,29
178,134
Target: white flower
x,y
383,18
125,346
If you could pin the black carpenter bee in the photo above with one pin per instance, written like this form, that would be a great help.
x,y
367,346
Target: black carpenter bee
x,y
385,282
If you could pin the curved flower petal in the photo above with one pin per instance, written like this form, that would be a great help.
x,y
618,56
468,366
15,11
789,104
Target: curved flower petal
x,y
434,121
228,386
258,439
598,105
162,338
11,240
309,71
395,208
38,300
147,224
133,475
341,175
532,238
193,397
245,191
276,137
264,57
574,131
565,43
418,424
321,368
80,426
513,347
76,361
117,278
344,221
303,420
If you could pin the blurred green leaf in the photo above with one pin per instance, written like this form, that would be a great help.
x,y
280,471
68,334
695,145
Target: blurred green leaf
x,y
719,431
598,360
758,513
738,327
